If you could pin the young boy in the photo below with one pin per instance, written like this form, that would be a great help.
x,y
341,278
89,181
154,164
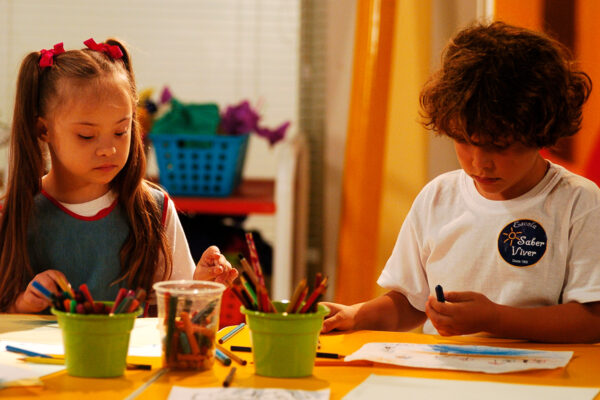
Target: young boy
x,y
512,237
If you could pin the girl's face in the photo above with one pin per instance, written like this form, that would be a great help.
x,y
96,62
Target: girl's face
x,y
88,135
501,174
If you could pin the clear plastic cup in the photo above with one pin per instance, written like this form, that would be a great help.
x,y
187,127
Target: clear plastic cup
x,y
188,315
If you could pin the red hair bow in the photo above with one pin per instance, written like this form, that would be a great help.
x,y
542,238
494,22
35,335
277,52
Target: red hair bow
x,y
112,50
47,56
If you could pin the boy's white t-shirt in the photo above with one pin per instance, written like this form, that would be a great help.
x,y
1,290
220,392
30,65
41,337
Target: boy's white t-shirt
x,y
536,250
183,264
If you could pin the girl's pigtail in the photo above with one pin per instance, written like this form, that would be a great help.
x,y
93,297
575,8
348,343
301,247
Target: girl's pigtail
x,y
126,57
26,168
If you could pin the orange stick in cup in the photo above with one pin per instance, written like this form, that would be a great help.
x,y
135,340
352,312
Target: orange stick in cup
x,y
189,331
296,295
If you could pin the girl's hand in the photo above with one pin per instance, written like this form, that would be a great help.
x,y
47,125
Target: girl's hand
x,y
463,313
213,266
33,301
340,317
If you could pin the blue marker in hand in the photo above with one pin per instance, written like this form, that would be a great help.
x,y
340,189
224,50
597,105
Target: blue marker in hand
x,y
439,292
48,294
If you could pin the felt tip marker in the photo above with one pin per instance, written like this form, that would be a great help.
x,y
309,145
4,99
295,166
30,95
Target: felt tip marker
x,y
439,292
28,353
229,378
232,332
47,294
319,354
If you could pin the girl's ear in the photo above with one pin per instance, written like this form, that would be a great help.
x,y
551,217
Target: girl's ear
x,y
42,128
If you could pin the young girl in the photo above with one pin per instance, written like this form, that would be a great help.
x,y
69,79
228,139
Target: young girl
x,y
512,237
92,218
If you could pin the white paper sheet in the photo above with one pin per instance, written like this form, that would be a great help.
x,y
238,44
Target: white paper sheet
x,y
15,372
186,393
382,387
487,359
46,338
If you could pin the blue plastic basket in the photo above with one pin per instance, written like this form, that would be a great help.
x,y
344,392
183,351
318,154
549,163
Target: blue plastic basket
x,y
200,165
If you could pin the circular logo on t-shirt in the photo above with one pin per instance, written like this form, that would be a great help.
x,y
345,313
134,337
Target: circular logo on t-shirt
x,y
522,243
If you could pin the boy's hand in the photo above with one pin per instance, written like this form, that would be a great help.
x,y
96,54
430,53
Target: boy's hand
x,y
340,317
213,266
33,301
463,313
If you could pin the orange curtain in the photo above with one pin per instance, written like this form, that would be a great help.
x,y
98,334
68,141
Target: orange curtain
x,y
364,149
386,153
586,144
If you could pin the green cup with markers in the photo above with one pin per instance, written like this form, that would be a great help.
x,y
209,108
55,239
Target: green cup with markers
x,y
188,315
96,345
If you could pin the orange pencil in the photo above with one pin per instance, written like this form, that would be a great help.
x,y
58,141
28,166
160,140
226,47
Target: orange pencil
x,y
300,299
314,296
189,331
297,292
248,269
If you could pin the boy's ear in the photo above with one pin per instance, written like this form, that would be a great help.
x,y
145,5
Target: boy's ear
x,y
42,128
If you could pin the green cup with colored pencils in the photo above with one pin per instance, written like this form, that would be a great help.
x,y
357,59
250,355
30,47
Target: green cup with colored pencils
x,y
188,314
284,345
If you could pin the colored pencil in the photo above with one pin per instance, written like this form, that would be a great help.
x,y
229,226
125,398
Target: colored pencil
x,y
295,296
248,270
313,297
254,258
222,357
231,355
149,382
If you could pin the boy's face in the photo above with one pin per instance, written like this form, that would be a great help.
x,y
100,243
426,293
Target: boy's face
x,y
501,174
88,135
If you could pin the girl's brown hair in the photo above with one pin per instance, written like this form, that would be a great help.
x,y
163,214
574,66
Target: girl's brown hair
x,y
500,83
37,94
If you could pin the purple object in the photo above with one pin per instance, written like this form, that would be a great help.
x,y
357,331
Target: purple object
x,y
273,135
242,118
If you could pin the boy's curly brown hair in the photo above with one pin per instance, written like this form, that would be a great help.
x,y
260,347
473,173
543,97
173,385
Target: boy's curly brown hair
x,y
499,84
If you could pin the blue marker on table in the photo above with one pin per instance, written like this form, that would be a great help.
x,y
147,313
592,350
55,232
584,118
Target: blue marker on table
x,y
29,353
48,294
222,357
439,292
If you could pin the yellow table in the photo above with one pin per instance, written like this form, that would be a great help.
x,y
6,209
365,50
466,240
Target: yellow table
x,y
582,371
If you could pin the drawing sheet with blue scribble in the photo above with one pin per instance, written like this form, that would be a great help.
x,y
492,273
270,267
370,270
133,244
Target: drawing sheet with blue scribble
x,y
493,360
